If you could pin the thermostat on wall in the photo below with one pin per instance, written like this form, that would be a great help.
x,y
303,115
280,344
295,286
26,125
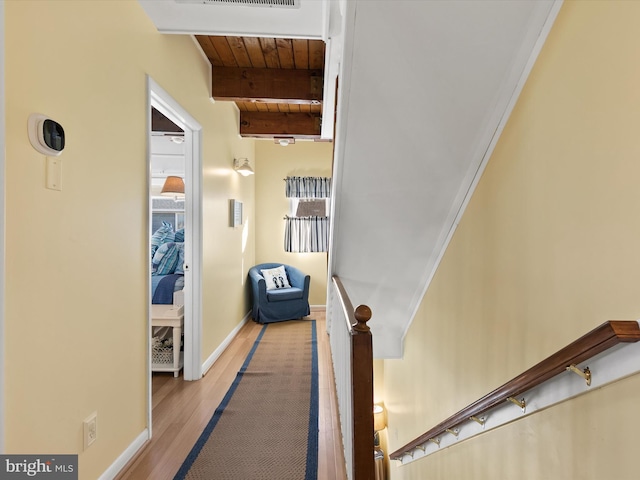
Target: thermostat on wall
x,y
45,135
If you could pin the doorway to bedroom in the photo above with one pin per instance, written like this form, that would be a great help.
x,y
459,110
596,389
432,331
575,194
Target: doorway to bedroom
x,y
167,202
175,205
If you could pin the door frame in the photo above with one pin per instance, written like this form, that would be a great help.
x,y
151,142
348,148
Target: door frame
x,y
158,98
2,228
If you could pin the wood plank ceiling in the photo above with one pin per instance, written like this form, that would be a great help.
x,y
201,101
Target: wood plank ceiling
x,y
277,83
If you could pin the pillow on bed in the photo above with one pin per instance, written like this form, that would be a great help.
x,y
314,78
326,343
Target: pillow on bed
x,y
162,235
276,278
179,235
165,259
180,265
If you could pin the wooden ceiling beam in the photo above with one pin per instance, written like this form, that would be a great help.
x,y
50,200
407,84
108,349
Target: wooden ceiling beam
x,y
267,85
270,124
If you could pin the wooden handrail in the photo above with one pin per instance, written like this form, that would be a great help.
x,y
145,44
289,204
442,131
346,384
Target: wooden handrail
x,y
346,302
596,341
361,383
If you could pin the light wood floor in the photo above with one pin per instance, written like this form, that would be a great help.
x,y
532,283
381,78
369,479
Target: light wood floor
x,y
182,409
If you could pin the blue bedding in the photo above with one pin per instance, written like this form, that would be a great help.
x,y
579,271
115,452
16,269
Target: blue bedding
x,y
163,286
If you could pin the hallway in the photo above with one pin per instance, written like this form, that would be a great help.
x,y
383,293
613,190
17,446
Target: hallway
x,y
181,410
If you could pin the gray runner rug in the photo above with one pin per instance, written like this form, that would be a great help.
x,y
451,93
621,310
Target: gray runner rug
x,y
266,427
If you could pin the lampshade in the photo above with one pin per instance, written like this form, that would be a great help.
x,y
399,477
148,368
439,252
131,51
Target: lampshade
x,y
379,418
173,187
242,166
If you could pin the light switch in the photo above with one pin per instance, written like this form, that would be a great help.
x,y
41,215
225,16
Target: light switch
x,y
54,173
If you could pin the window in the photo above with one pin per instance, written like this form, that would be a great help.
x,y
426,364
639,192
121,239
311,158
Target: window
x,y
308,207
307,225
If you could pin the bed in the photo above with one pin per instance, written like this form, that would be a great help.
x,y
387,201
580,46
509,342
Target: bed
x,y
167,261
164,288
167,276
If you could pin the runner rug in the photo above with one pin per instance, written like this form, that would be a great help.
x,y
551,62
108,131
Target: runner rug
x,y
266,427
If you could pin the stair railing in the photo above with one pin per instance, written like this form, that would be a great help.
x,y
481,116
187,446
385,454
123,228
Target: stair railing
x,y
487,412
352,355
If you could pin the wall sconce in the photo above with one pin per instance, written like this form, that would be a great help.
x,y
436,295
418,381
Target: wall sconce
x,y
242,166
379,423
173,187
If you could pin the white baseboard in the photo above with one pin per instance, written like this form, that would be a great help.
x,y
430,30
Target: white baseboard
x,y
132,449
111,472
115,468
221,348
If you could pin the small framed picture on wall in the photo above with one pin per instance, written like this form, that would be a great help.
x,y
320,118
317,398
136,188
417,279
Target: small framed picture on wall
x,y
235,213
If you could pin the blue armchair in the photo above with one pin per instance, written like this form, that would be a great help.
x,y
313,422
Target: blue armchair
x,y
279,304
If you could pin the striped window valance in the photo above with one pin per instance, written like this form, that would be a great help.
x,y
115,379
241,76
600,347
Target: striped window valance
x,y
308,187
306,234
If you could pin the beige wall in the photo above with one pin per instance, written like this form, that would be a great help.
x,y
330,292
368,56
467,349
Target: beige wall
x,y
273,164
546,251
228,251
76,261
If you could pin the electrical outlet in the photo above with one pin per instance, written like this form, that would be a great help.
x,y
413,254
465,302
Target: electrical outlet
x,y
90,428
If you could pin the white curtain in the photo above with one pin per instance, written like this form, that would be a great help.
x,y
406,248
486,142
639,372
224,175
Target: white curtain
x,y
308,187
306,234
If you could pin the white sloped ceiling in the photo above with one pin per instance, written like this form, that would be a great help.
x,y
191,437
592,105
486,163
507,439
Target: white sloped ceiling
x,y
425,87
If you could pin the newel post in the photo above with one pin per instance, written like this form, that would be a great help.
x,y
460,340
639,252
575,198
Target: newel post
x,y
362,381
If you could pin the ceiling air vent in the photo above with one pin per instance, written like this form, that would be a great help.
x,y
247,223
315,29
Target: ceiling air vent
x,y
248,3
